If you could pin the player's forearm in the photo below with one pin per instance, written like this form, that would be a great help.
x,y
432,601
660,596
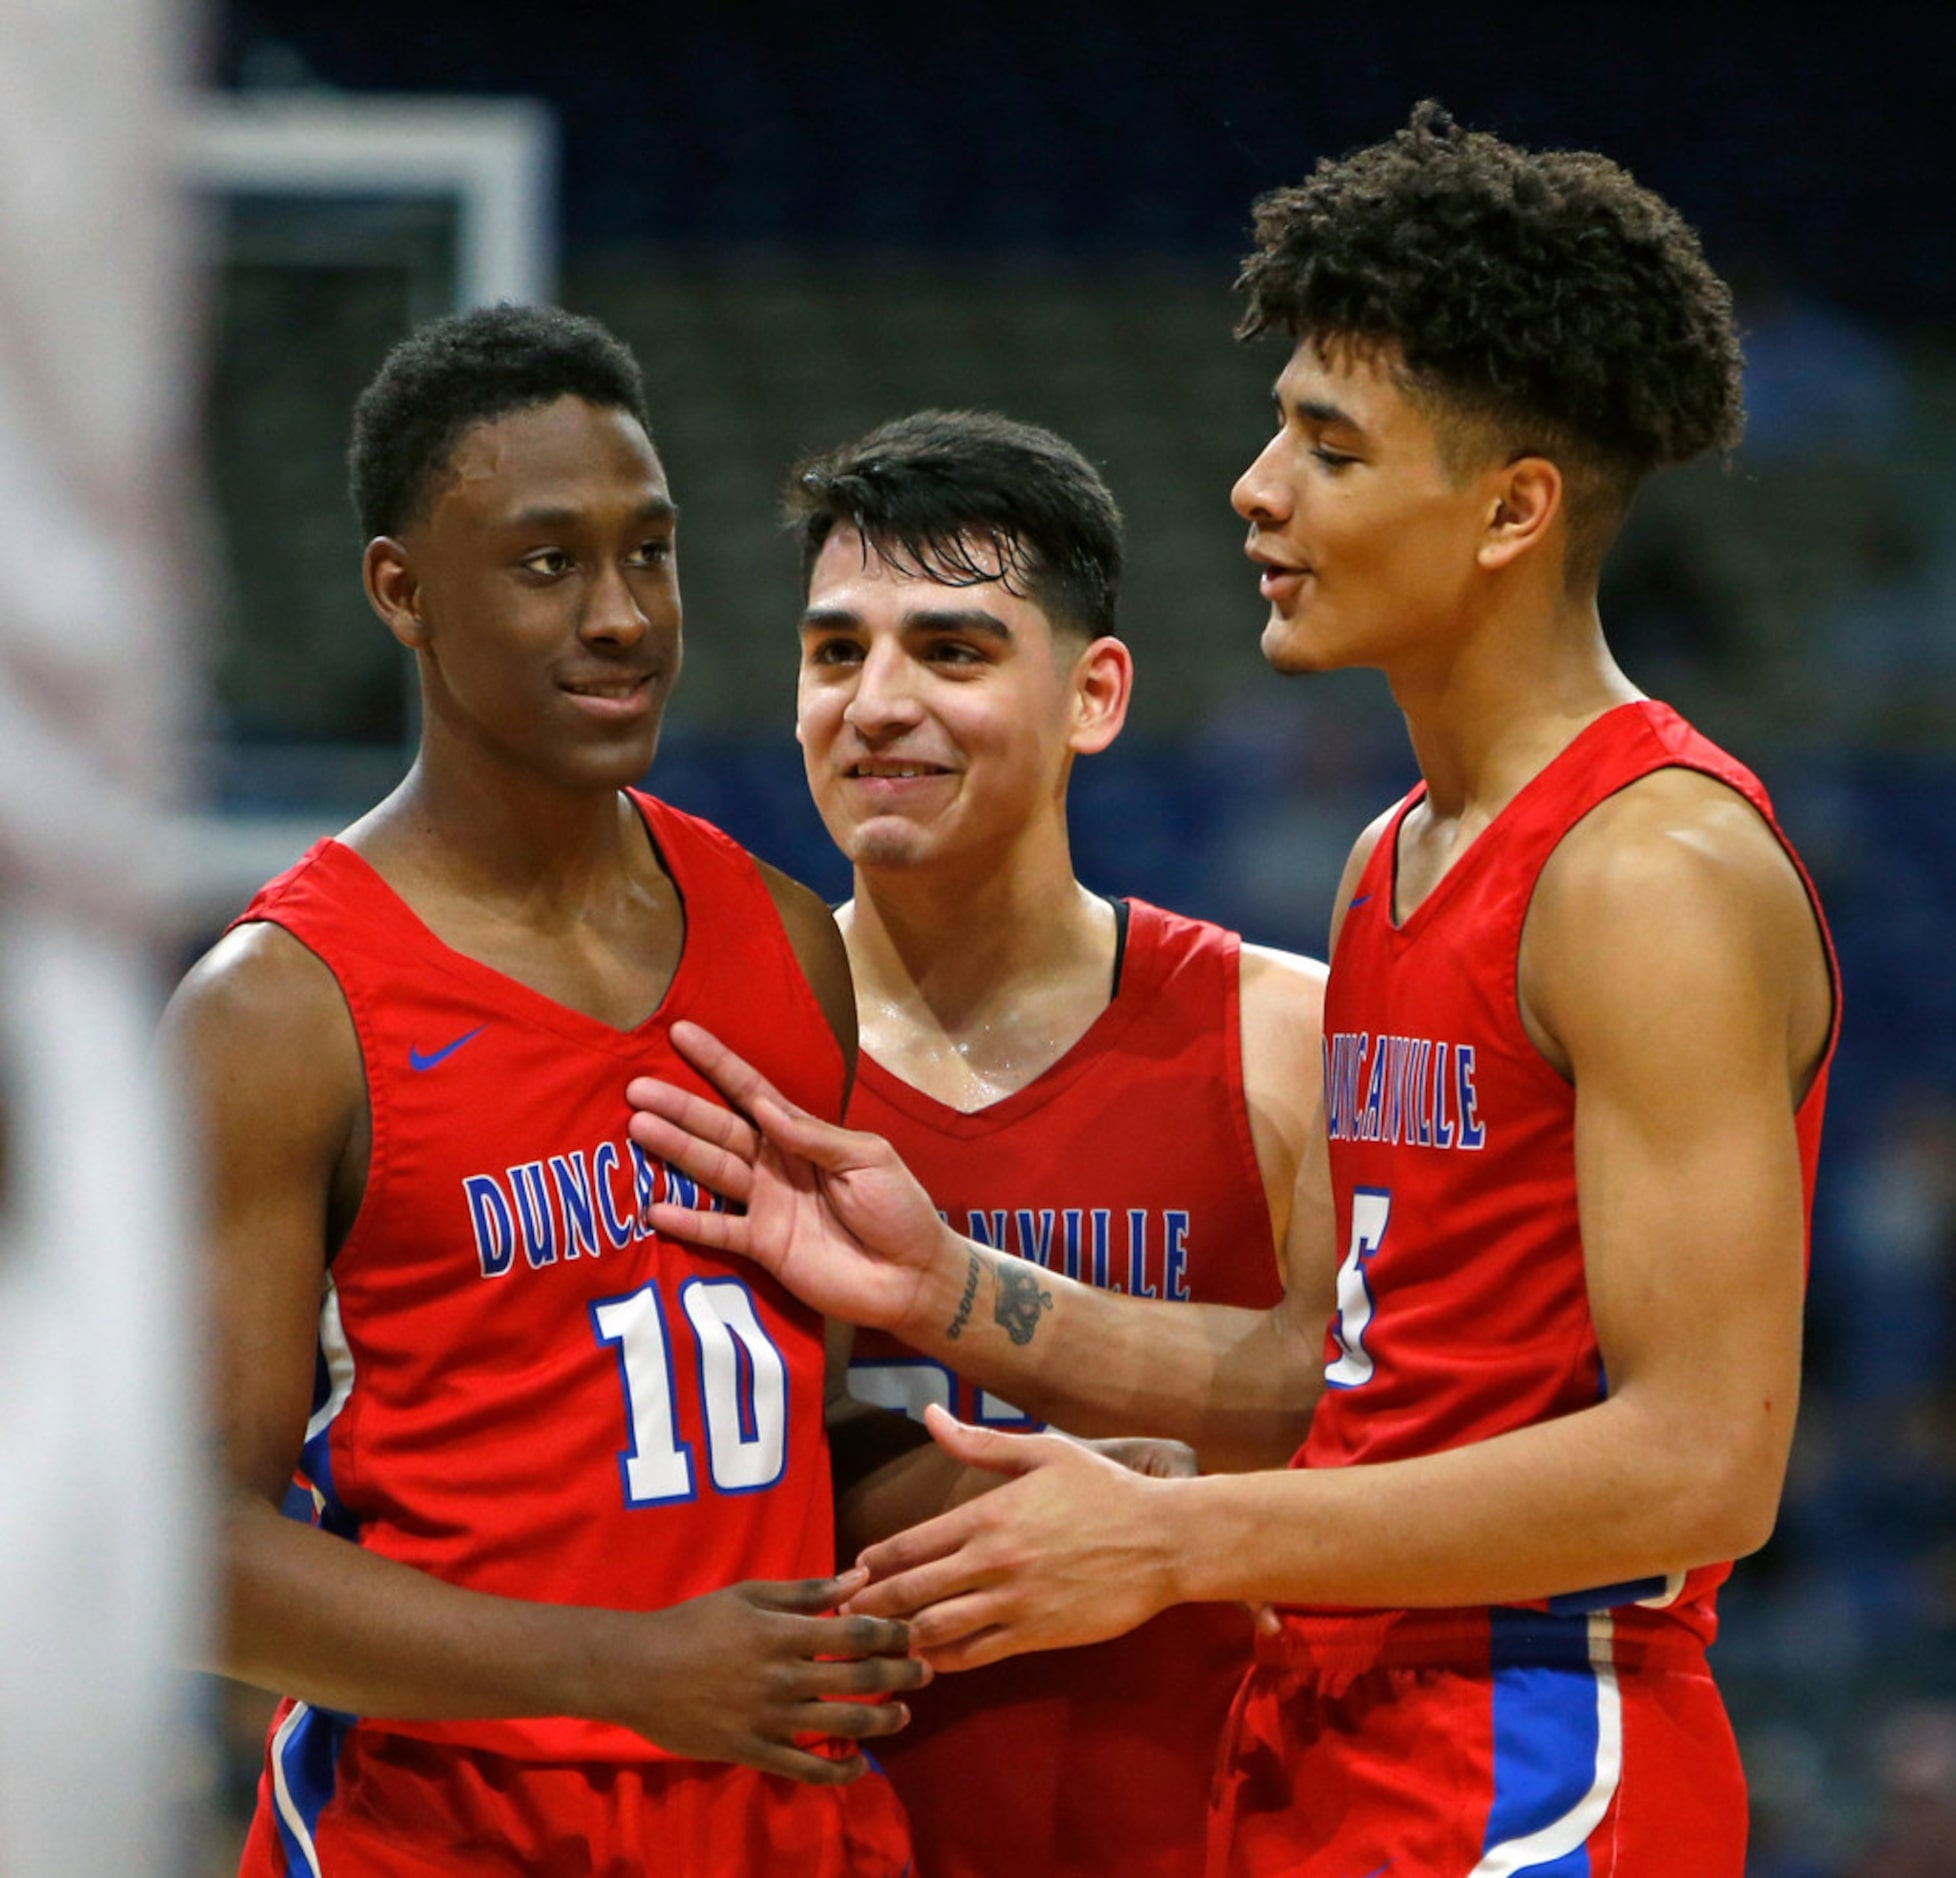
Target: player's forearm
x,y
316,1617
1606,1496
1231,1383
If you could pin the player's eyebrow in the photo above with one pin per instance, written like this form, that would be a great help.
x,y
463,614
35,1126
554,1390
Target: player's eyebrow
x,y
1319,411
960,619
957,619
654,510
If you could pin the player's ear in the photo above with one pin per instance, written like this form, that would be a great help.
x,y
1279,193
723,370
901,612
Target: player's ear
x,y
393,590
1103,683
1524,505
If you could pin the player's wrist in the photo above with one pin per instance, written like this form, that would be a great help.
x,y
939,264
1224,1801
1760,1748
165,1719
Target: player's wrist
x,y
576,1656
1180,1528
945,1304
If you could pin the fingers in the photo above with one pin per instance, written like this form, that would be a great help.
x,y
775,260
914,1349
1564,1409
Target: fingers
x,y
991,1645
959,1632
827,1144
701,1139
854,1654
735,1078
902,1594
849,1721
989,1448
889,1559
718,1232
812,1595
812,1770
717,1147
779,1119
711,1123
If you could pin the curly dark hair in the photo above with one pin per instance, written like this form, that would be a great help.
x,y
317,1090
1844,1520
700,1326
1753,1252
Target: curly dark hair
x,y
1534,300
966,497
466,369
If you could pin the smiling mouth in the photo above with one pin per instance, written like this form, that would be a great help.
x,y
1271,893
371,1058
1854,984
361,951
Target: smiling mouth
x,y
893,772
614,688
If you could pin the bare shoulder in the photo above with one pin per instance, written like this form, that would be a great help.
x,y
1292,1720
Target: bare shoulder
x,y
1282,994
1673,896
278,1096
817,943
259,992
1676,846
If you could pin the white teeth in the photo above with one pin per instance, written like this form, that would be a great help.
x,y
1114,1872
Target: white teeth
x,y
885,772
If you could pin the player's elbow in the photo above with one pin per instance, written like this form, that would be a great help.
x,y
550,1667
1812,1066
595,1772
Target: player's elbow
x,y
1746,1523
1730,1499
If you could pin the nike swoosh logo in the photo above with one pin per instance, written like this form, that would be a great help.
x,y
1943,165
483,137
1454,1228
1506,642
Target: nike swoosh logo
x,y
419,1060
1360,901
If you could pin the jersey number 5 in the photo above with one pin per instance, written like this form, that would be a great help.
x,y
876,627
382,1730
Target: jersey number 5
x,y
1371,1208
743,1382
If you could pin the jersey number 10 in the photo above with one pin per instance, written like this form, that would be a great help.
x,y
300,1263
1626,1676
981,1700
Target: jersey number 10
x,y
743,1386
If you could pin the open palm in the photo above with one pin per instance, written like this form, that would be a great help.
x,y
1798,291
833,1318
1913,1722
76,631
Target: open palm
x,y
832,1213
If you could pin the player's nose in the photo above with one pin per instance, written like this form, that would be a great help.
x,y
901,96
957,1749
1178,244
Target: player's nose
x,y
616,614
885,697
1261,493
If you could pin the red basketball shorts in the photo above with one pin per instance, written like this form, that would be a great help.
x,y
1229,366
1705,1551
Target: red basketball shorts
x,y
1371,1747
340,1799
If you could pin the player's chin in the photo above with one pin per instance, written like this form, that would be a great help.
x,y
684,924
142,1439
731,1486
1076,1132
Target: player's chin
x,y
888,842
616,762
1288,648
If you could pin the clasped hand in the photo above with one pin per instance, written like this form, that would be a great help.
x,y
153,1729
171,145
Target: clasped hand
x,y
759,1673
1066,1552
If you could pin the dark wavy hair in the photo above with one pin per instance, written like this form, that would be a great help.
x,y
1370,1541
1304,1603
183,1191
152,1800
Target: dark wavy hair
x,y
1531,301
467,369
967,497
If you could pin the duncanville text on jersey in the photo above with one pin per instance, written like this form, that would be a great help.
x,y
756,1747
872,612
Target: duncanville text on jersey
x,y
567,1206
1131,1249
1415,1091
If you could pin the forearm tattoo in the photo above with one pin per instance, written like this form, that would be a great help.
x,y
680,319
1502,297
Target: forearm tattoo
x,y
1020,1300
955,1328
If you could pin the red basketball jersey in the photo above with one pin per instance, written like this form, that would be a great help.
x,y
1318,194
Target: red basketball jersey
x,y
521,1390
1462,1308
1128,1165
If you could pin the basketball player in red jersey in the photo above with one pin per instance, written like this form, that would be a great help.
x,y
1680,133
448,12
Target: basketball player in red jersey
x,y
562,1609
1100,1088
1578,1025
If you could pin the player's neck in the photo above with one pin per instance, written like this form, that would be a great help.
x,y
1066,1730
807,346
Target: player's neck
x,y
1490,710
970,992
498,838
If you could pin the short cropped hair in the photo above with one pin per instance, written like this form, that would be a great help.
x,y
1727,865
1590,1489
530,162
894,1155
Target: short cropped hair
x,y
466,369
1535,302
966,497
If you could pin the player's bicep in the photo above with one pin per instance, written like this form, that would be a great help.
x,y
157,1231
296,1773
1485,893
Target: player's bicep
x,y
276,1087
1661,969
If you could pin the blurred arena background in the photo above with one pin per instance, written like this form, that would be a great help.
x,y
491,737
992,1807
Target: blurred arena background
x,y
805,220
